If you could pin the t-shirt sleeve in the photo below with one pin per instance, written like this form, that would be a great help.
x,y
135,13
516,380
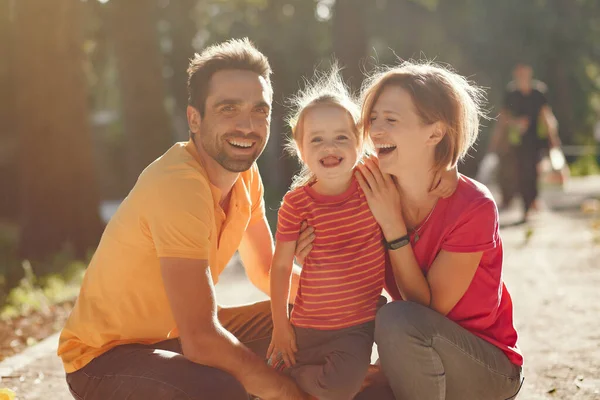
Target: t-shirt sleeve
x,y
507,100
542,99
178,215
476,231
541,91
289,220
257,197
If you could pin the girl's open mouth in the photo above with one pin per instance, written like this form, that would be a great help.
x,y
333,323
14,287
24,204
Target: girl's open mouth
x,y
331,161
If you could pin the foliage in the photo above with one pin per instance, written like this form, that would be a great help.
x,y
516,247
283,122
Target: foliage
x,y
482,39
38,293
585,165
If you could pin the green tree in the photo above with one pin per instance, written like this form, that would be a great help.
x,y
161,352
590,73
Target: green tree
x,y
8,137
350,39
148,130
59,202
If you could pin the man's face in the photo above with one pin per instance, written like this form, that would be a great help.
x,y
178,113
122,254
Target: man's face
x,y
523,74
237,115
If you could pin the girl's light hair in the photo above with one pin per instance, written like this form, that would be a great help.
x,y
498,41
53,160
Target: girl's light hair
x,y
325,89
438,94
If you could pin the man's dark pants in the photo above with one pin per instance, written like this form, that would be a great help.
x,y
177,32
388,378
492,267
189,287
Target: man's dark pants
x,y
160,371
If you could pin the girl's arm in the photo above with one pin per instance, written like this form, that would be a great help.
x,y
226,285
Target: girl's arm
x,y
281,273
284,339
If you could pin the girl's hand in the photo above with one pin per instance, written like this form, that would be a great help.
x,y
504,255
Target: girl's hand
x,y
304,242
383,197
284,342
445,182
375,377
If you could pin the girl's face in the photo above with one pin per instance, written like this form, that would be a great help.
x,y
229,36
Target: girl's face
x,y
329,145
401,139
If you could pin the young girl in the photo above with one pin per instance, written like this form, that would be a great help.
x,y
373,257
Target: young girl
x,y
328,340
326,344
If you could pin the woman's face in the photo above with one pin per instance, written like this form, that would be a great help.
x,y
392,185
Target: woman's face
x,y
401,138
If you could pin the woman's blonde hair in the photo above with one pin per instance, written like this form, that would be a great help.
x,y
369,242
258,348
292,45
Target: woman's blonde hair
x,y
325,89
438,94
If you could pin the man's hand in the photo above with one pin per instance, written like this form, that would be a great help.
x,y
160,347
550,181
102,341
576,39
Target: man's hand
x,y
190,291
284,343
304,242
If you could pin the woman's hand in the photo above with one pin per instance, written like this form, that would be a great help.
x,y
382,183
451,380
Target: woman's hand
x,y
383,197
304,243
445,182
284,342
375,377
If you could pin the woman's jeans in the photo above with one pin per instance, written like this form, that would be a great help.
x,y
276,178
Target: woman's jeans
x,y
426,356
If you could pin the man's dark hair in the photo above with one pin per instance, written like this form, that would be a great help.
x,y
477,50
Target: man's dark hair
x,y
232,54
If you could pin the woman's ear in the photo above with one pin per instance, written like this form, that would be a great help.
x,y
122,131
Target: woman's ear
x,y
437,133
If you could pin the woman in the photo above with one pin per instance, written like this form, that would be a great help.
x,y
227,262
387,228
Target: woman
x,y
453,335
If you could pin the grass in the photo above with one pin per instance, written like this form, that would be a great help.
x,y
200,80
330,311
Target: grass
x,y
585,165
40,293
58,281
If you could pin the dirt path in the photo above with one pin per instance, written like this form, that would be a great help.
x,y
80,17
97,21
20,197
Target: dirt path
x,y
554,279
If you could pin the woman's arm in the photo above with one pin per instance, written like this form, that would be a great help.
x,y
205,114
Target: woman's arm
x,y
445,284
449,278
383,197
451,272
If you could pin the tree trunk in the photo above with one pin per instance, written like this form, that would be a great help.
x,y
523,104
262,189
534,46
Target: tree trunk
x,y
140,65
561,81
8,136
58,188
182,30
350,39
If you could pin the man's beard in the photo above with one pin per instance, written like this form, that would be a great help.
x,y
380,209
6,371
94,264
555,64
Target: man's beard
x,y
216,148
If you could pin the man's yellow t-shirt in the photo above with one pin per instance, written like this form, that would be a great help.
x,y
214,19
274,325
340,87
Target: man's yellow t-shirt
x,y
172,211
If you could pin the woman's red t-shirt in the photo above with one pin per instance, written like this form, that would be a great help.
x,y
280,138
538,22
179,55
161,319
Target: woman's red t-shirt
x,y
467,222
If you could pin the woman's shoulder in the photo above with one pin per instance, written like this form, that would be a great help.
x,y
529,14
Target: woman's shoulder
x,y
469,190
471,220
471,196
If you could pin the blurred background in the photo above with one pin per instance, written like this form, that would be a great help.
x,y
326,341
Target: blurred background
x,y
92,91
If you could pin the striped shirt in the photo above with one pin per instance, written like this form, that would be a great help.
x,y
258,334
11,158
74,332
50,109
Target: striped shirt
x,y
342,277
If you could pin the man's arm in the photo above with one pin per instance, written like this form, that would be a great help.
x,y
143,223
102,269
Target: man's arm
x,y
551,123
189,288
256,252
498,132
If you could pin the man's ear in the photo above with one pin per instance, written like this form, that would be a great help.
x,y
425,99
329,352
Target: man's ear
x,y
437,133
194,119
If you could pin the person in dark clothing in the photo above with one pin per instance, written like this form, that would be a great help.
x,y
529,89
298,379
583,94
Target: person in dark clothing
x,y
526,126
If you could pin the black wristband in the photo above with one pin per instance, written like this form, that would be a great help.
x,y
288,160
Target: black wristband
x,y
397,243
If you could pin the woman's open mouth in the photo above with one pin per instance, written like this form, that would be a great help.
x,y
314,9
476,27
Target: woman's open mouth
x,y
384,149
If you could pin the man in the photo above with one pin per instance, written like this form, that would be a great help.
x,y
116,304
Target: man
x,y
146,324
519,137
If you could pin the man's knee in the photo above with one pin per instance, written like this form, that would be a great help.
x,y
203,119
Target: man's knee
x,y
403,321
220,385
